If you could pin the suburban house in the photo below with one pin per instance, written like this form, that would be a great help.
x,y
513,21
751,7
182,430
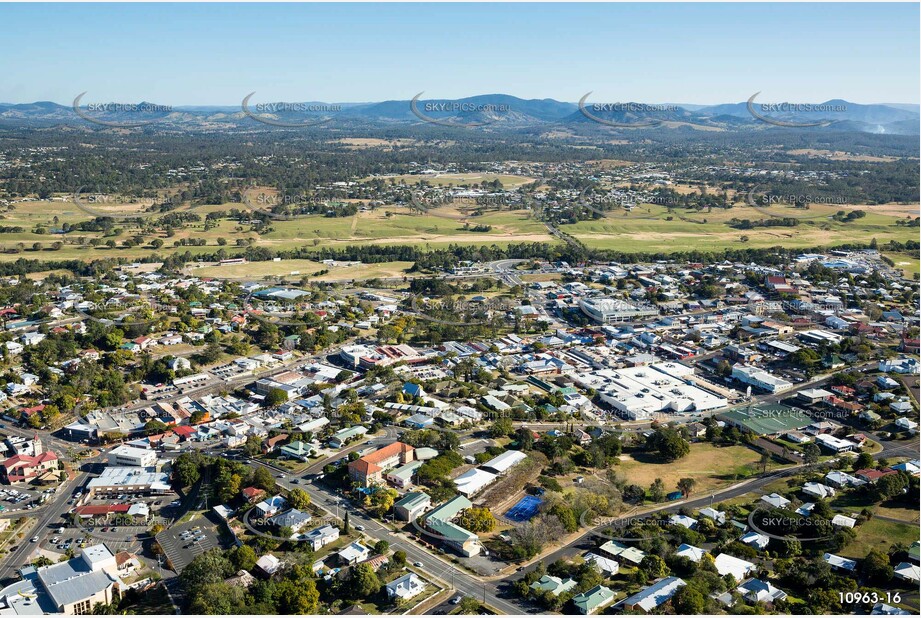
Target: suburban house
x,y
320,537
776,500
405,587
252,494
297,450
294,519
843,521
755,539
758,591
344,436
553,585
655,595
908,572
730,565
270,506
717,516
592,600
268,565
354,553
838,563
818,490
622,552
694,554
603,565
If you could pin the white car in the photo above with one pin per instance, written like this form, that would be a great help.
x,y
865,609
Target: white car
x,y
418,564
456,600
35,539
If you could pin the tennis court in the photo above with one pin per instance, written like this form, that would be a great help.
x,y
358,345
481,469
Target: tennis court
x,y
524,509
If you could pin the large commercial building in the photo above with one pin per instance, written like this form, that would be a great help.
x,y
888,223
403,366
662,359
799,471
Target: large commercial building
x,y
128,480
72,587
367,356
760,379
125,455
610,310
38,465
459,539
27,468
638,393
370,468
766,419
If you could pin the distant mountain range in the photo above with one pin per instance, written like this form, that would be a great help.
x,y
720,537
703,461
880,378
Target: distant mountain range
x,y
492,110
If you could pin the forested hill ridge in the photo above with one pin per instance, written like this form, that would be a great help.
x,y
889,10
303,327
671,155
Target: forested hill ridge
x,y
488,111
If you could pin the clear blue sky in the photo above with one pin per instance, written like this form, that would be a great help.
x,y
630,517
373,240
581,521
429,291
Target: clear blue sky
x,y
217,53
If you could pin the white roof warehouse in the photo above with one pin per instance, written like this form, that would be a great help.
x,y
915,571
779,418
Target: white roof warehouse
x,y
640,392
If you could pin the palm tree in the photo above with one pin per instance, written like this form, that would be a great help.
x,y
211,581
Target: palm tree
x,y
105,609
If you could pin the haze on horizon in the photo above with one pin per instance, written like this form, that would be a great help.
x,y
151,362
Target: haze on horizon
x,y
201,55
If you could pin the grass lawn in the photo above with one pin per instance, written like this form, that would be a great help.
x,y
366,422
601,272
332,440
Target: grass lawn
x,y
295,269
152,602
712,467
910,266
879,534
906,514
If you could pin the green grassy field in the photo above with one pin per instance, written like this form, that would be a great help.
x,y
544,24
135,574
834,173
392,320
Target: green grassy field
x,y
879,534
909,265
295,269
646,228
389,225
710,466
